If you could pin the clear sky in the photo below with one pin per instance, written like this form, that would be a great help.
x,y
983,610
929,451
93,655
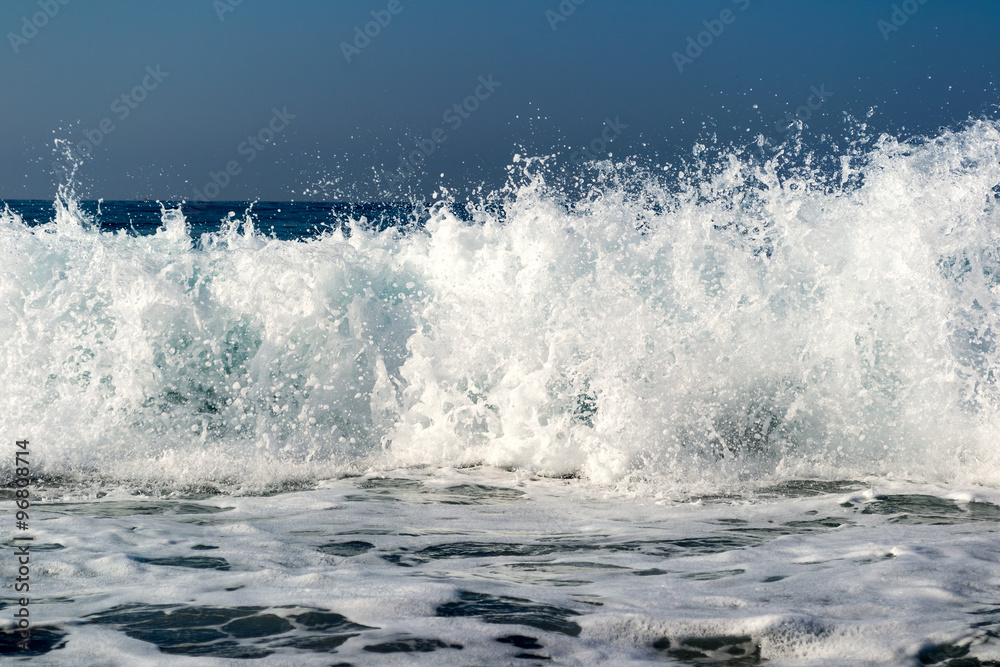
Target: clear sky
x,y
297,102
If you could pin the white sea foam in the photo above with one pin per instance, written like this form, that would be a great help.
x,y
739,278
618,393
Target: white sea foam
x,y
904,577
753,323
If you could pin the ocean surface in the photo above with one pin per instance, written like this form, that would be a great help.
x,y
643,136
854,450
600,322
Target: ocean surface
x,y
741,409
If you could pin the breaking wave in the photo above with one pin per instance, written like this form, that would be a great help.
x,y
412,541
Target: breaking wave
x,y
737,321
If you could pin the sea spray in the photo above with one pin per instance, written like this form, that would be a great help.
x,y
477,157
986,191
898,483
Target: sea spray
x,y
742,323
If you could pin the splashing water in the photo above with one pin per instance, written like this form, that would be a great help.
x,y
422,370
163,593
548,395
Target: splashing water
x,y
747,324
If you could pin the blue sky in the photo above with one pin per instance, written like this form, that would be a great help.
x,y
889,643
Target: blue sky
x,y
265,100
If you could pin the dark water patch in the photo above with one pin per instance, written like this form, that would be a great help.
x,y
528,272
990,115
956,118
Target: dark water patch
x,y
388,488
121,508
771,580
958,654
473,550
805,488
587,599
716,498
43,639
935,655
165,637
729,650
564,567
230,632
384,498
206,522
552,573
801,527
712,576
995,610
819,524
931,510
512,611
389,484
287,486
371,531
520,641
531,656
203,547
41,546
346,549
61,599
558,583
194,562
477,494
769,532
322,620
317,644
261,625
561,566
944,653
711,544
412,645
169,616
226,649
875,559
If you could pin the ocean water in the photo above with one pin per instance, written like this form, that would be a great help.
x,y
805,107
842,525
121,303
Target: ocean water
x,y
740,409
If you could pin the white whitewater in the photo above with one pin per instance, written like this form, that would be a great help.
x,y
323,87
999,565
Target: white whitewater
x,y
751,324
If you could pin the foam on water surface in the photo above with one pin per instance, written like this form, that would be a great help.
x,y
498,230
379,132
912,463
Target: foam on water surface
x,y
558,571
